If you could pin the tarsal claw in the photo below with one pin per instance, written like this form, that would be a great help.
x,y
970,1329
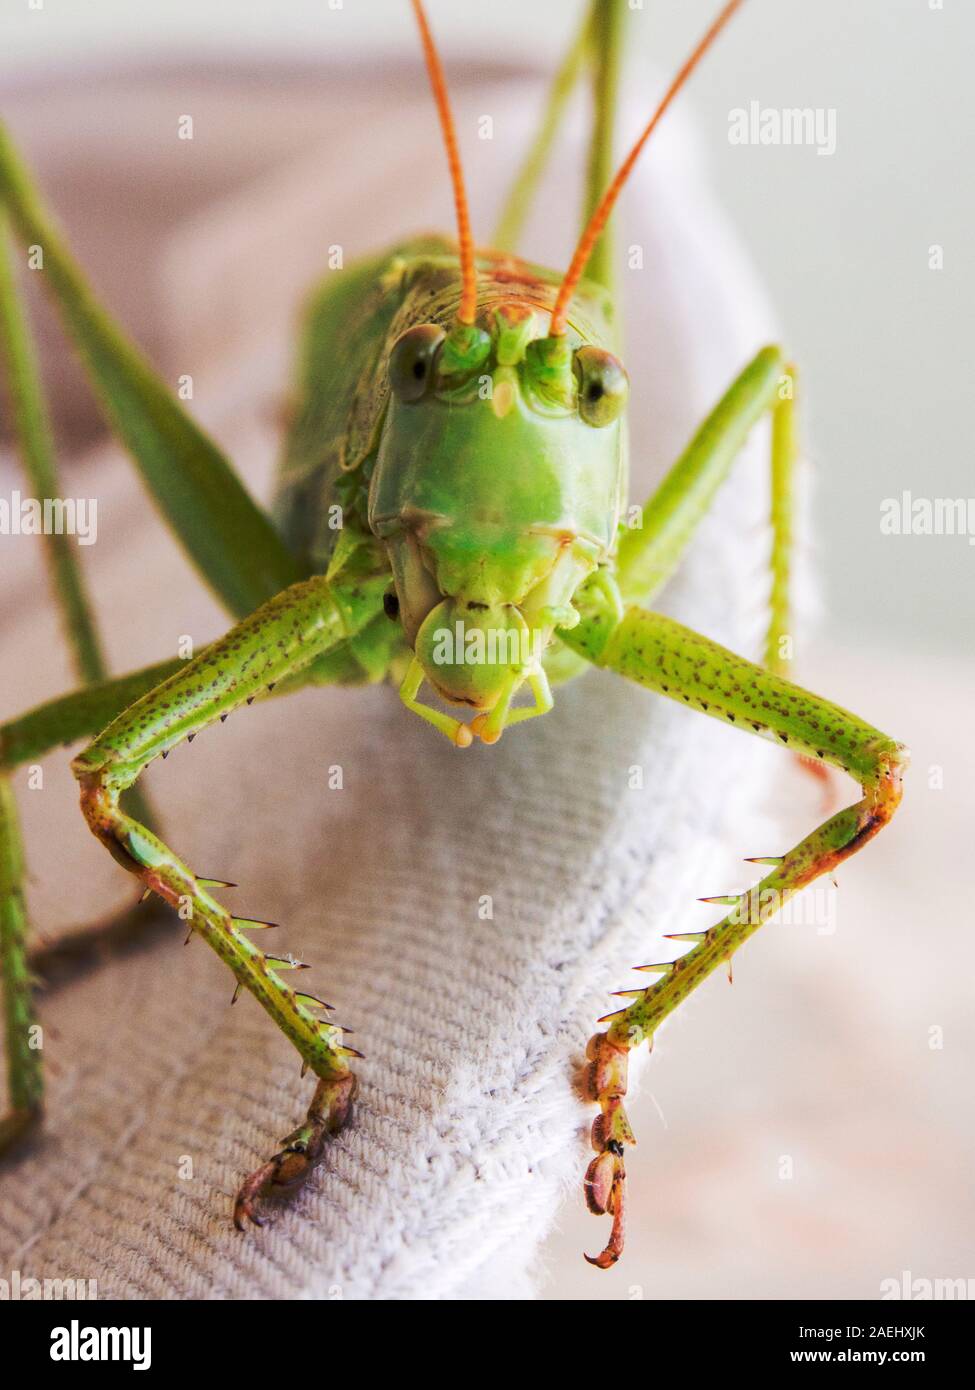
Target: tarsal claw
x,y
612,1197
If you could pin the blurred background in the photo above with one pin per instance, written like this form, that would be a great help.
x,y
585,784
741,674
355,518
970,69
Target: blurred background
x,y
865,254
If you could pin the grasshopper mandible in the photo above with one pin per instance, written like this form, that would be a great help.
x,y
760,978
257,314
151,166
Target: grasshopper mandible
x,y
470,436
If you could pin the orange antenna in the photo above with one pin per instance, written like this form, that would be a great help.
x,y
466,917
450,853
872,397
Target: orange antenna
x,y
468,294
597,222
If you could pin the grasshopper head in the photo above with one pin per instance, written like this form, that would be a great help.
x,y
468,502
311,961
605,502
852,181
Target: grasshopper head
x,y
500,469
496,490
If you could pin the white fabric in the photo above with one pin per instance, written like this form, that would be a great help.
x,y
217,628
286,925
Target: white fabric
x,y
469,1130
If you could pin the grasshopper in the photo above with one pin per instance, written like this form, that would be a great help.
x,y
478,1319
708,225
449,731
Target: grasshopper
x,y
462,414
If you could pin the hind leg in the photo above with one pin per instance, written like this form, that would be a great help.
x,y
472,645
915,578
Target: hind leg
x,y
668,658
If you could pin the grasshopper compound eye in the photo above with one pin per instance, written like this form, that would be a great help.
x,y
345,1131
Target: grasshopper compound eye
x,y
412,359
603,385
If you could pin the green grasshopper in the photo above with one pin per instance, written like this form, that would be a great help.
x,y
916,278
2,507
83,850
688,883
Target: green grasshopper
x,y
448,511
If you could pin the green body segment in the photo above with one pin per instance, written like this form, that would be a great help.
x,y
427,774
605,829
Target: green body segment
x,y
343,399
339,398
495,498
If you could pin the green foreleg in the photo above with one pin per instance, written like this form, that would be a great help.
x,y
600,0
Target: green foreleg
x,y
285,637
61,722
666,657
274,644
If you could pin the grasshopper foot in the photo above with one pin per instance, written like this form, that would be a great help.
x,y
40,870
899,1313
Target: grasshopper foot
x,y
605,1188
302,1151
281,1176
605,1182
